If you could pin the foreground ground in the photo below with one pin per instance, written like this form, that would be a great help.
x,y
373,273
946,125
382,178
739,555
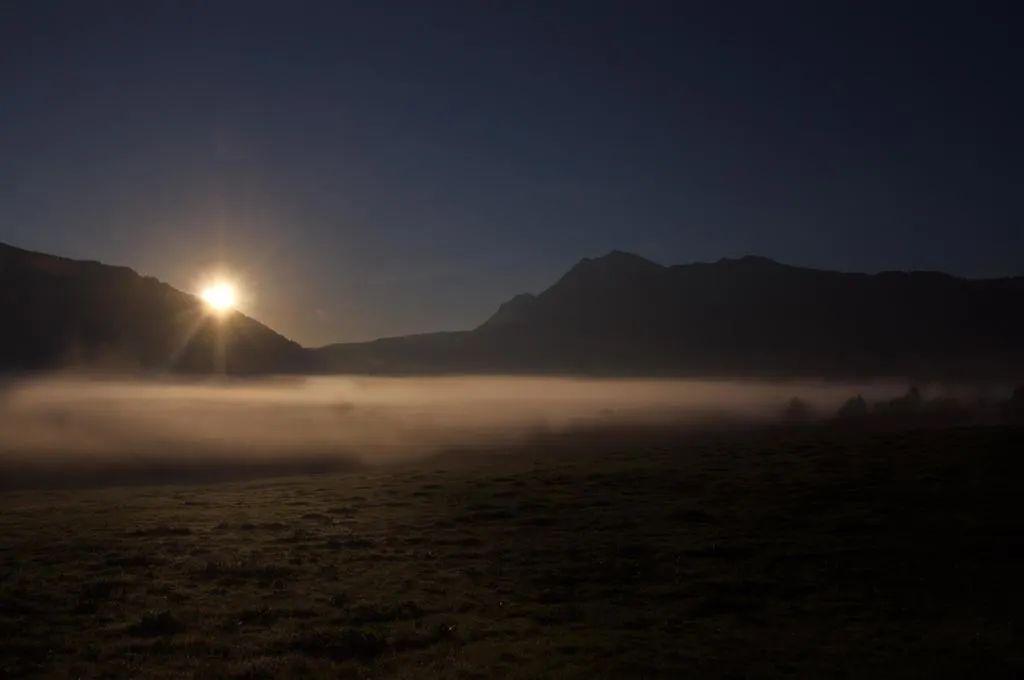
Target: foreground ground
x,y
800,554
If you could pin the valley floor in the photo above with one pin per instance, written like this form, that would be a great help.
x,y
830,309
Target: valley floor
x,y
811,555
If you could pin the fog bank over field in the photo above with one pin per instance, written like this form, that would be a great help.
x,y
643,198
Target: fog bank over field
x,y
106,426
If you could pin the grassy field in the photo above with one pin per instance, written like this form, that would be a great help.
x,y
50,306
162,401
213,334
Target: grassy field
x,y
811,554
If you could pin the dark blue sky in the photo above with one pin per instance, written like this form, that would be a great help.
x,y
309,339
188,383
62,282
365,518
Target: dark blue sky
x,y
380,168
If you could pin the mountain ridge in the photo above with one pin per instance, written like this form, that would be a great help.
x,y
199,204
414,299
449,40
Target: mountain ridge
x,y
617,314
621,313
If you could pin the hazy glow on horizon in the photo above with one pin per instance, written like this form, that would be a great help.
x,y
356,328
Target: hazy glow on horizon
x,y
368,419
107,430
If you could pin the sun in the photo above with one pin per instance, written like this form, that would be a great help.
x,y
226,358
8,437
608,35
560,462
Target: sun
x,y
220,297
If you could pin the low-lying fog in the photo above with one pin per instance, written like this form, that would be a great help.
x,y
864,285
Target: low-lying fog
x,y
105,427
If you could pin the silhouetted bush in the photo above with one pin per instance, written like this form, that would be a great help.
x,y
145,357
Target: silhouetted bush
x,y
797,411
909,403
1014,407
855,407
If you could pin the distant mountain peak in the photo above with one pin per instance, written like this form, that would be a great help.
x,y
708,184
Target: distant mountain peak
x,y
622,314
623,256
615,263
620,258
751,261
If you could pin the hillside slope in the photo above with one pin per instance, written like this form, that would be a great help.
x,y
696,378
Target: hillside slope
x,y
59,313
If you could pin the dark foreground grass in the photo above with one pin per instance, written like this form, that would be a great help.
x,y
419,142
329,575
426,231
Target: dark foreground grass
x,y
804,555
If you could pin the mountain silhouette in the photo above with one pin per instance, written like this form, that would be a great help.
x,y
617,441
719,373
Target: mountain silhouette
x,y
752,316
58,313
619,314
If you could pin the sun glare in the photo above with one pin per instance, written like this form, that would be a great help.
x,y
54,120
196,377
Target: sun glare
x,y
219,297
